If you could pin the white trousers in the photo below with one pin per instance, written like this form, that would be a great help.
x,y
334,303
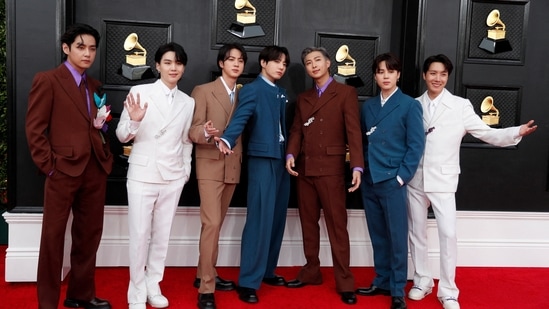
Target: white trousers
x,y
151,209
444,207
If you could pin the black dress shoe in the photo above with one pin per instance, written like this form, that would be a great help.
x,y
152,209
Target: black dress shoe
x,y
220,284
95,303
206,301
348,297
276,281
295,284
247,295
372,291
224,285
398,302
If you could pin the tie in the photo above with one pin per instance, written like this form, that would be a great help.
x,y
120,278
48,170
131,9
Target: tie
x,y
84,92
431,109
171,95
319,92
231,96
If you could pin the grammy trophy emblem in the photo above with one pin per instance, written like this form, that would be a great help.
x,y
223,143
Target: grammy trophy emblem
x,y
495,42
245,25
346,72
136,62
490,114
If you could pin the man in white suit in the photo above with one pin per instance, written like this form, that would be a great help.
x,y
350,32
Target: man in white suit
x,y
436,179
157,117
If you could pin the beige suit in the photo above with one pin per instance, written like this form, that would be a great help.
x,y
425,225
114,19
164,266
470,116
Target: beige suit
x,y
217,174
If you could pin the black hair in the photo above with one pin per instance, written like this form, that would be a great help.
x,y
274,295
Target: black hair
x,y
438,58
180,54
391,62
274,52
75,30
225,51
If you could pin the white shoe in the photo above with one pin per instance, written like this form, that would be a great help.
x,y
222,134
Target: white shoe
x,y
418,292
138,306
449,302
158,301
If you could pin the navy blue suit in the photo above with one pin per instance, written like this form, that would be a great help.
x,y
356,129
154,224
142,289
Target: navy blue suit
x,y
393,142
261,111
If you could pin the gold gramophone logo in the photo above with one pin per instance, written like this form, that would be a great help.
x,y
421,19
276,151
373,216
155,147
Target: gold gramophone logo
x,y
346,69
495,41
490,114
136,61
245,25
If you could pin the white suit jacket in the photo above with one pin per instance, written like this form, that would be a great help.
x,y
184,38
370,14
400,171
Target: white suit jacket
x,y
439,168
161,145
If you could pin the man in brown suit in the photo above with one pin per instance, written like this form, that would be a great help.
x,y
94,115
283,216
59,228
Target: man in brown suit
x,y
73,153
326,120
217,173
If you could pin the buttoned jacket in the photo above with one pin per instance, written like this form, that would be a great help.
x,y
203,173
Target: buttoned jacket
x,y
323,128
454,117
59,129
162,149
212,102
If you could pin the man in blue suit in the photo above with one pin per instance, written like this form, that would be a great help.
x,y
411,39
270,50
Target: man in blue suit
x,y
261,111
393,143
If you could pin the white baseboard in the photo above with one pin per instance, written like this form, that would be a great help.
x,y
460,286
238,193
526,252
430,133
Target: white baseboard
x,y
500,239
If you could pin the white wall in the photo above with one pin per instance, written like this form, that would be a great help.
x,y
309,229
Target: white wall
x,y
514,239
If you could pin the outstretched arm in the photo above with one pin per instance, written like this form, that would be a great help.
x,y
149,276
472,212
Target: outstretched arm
x,y
527,128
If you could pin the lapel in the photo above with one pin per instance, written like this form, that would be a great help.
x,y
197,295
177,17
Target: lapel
x,y
219,93
67,83
315,103
157,97
379,113
443,107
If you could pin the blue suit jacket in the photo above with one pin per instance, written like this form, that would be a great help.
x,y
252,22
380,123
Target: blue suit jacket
x,y
393,137
261,111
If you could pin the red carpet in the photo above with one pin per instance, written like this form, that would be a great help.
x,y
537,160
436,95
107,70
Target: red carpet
x,y
488,288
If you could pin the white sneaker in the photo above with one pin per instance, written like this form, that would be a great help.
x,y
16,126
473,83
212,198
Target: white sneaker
x,y
418,292
138,306
449,302
158,301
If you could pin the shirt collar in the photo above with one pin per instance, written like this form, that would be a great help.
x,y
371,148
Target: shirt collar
x,y
267,81
167,91
436,100
77,76
323,88
383,100
227,87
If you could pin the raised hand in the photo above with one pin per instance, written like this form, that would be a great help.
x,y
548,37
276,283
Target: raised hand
x,y
133,106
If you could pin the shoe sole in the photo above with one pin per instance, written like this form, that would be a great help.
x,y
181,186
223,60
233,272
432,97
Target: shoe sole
x,y
420,298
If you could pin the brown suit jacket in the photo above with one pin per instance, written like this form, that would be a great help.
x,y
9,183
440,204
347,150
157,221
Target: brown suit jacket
x,y
212,103
322,128
60,133
62,138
